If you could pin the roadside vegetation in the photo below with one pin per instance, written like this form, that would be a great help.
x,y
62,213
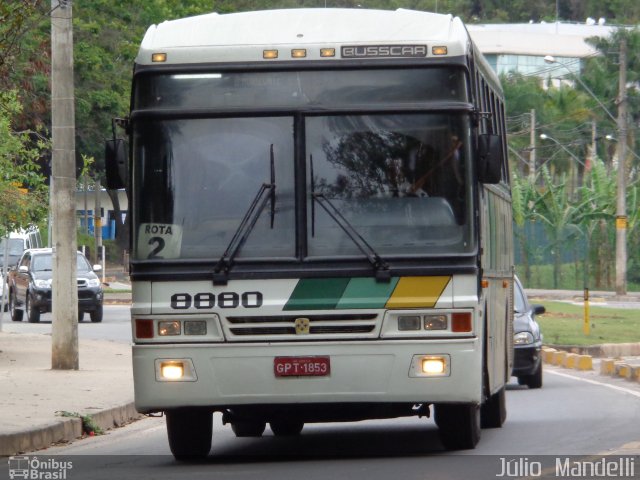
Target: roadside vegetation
x,y
563,322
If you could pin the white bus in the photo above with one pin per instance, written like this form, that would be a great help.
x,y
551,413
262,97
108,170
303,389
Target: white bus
x,y
320,224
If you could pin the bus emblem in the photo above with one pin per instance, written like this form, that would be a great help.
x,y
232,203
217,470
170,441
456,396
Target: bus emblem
x,y
302,326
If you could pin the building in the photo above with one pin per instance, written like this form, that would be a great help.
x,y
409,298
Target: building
x,y
85,215
522,47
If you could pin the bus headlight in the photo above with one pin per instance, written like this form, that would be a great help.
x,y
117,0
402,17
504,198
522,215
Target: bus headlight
x,y
436,322
175,370
408,322
171,371
169,328
430,366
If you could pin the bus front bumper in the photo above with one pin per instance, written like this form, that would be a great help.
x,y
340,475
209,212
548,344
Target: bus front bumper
x,y
220,376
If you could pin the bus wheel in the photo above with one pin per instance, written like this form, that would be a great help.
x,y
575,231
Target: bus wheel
x,y
493,412
189,433
248,428
286,428
459,425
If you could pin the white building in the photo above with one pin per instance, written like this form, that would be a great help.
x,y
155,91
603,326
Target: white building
x,y
521,47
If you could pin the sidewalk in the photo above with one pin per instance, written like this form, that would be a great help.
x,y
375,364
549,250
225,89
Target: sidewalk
x,y
33,396
33,393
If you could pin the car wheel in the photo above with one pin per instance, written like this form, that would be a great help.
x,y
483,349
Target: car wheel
x,y
16,313
33,314
535,380
80,316
96,315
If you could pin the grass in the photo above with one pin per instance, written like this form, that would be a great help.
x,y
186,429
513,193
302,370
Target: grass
x,y
563,324
571,278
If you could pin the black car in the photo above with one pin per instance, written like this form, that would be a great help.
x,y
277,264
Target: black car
x,y
527,340
30,286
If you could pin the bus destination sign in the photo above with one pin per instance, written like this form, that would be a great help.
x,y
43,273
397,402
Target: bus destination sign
x,y
386,51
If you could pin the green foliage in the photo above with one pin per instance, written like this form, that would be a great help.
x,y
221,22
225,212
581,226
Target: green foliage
x,y
563,324
89,426
23,195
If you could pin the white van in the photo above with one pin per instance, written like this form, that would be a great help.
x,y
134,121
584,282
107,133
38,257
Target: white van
x,y
19,241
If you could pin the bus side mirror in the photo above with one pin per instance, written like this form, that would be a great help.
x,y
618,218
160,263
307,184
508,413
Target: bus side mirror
x,y
115,160
490,158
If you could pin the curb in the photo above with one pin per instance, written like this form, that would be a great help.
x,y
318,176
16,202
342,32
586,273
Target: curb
x,y
64,430
608,366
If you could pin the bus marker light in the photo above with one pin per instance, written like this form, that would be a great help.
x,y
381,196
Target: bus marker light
x,y
435,322
327,52
439,50
484,283
172,370
269,54
461,322
159,57
298,53
144,328
433,365
409,323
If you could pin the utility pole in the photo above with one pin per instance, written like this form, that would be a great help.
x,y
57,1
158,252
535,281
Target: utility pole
x,y
593,151
64,339
621,204
97,223
532,148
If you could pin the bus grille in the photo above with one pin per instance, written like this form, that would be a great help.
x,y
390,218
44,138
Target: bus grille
x,y
318,327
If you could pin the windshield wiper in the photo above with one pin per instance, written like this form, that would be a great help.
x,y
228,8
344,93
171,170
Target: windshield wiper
x,y
380,267
248,222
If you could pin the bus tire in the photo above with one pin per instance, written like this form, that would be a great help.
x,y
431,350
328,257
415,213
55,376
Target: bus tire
x,y
248,428
493,412
459,425
189,433
286,428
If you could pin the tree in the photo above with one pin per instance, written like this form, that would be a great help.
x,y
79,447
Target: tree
x,y
23,195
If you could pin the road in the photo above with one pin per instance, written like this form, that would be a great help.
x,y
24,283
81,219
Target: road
x,y
574,413
115,325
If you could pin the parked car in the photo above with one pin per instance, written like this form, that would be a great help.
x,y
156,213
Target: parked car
x,y
527,340
30,286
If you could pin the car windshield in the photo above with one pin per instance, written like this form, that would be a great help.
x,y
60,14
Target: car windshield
x,y
520,304
43,263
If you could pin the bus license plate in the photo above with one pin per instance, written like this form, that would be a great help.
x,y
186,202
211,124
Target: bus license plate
x,y
301,366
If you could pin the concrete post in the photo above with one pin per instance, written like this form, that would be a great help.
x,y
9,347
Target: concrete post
x,y
64,341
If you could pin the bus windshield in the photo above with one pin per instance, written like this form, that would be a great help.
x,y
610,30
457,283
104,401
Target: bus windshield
x,y
402,180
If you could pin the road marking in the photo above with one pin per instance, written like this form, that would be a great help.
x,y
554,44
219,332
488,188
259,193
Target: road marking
x,y
594,382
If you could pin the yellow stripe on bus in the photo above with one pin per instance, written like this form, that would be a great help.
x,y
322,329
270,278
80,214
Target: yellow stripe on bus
x,y
417,292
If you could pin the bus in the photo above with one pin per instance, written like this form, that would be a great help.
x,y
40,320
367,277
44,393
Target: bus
x,y
320,224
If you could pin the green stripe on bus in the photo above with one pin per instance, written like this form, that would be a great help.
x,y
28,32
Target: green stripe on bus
x,y
317,294
367,293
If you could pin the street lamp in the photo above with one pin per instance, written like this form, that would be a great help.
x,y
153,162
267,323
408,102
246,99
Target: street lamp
x,y
621,123
552,60
544,136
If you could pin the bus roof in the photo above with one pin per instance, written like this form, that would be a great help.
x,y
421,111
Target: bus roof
x,y
242,37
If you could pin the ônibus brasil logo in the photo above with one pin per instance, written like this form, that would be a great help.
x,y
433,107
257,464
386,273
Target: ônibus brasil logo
x,y
33,468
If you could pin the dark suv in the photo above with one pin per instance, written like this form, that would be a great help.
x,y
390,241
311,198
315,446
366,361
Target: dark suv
x,y
30,286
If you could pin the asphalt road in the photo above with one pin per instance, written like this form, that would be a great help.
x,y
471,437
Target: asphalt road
x,y
115,325
573,414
